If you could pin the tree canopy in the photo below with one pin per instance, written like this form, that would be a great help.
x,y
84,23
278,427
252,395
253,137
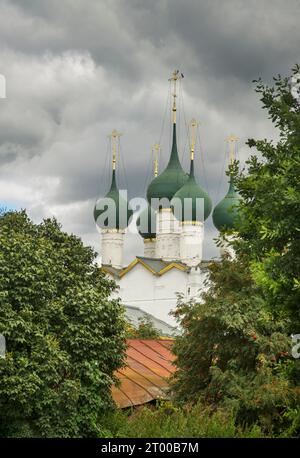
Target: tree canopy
x,y
269,232
65,337
235,349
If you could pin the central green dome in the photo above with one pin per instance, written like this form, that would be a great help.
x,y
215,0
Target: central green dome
x,y
114,221
171,179
191,190
226,212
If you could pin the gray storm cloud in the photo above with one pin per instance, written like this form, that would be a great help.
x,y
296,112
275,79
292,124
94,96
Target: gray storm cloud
x,y
77,69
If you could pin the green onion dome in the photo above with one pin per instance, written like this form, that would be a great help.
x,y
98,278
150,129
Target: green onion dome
x,y
192,191
225,214
148,220
113,221
171,179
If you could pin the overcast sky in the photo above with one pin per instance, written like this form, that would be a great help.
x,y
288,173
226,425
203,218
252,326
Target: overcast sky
x,y
76,69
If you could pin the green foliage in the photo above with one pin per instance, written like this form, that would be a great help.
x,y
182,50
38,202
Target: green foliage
x,y
64,336
145,330
166,420
235,350
270,219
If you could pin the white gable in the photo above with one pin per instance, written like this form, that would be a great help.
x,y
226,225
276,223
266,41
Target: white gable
x,y
157,293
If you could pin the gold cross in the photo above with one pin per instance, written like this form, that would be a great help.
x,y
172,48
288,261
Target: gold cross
x,y
174,78
156,149
114,137
193,124
232,140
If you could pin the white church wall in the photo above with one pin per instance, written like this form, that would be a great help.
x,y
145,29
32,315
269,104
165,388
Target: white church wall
x,y
167,236
151,293
150,248
191,241
137,286
112,247
157,295
167,286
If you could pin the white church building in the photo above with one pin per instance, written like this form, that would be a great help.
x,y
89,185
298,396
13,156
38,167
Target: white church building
x,y
153,285
172,228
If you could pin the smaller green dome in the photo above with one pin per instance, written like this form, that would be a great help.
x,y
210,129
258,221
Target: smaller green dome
x,y
171,179
225,213
112,222
191,190
148,219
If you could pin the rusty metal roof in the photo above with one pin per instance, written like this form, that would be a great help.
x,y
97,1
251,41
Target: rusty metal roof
x,y
145,376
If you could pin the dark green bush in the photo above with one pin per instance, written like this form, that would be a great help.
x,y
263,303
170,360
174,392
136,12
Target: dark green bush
x,y
165,420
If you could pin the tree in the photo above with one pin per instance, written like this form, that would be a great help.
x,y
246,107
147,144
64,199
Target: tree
x,y
270,230
235,349
232,352
144,330
65,337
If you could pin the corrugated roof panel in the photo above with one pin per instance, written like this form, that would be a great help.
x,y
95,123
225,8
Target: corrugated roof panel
x,y
161,349
168,343
135,395
142,369
145,377
158,369
161,358
120,398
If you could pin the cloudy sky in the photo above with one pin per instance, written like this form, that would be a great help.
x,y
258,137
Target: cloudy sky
x,y
76,69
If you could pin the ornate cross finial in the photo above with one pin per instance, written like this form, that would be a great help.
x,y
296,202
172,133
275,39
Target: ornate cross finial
x,y
193,126
176,75
114,139
155,150
232,139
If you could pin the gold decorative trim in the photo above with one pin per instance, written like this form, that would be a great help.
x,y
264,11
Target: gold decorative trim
x,y
112,231
147,267
150,240
171,266
167,210
164,270
134,263
191,223
129,267
107,271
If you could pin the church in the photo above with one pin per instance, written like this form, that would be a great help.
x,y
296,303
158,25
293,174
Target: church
x,y
172,228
